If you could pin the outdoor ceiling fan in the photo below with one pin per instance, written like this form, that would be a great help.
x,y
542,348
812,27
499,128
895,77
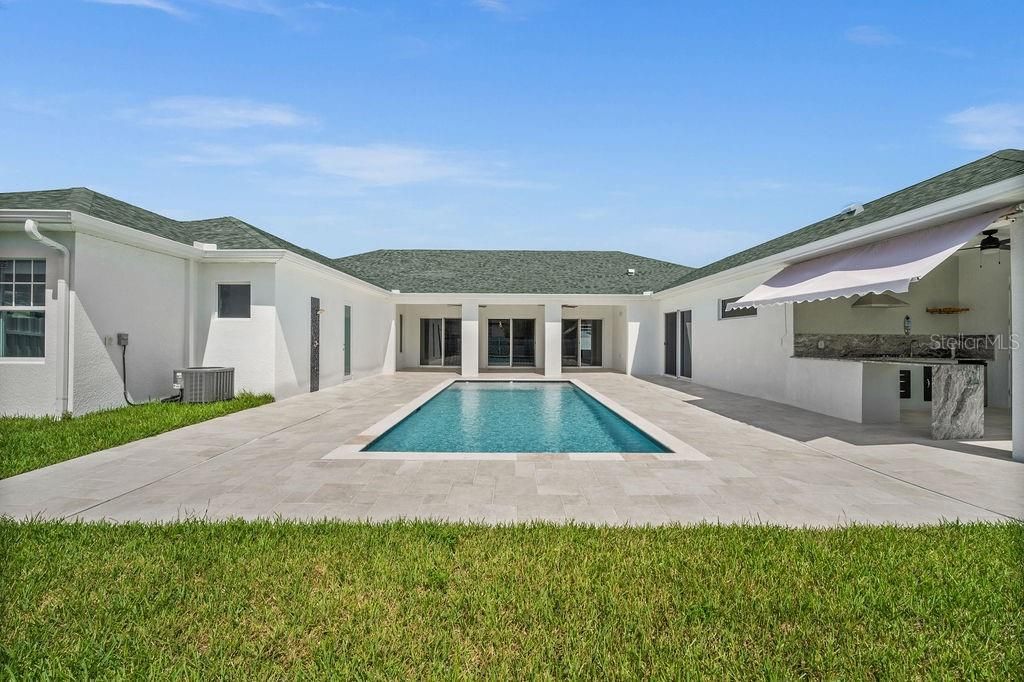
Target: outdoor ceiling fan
x,y
990,243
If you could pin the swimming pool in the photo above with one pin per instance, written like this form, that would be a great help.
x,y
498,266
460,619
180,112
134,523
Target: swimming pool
x,y
509,416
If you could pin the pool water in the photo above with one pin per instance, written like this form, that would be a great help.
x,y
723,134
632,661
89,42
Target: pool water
x,y
491,416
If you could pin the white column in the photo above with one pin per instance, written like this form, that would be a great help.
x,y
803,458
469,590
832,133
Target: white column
x,y
390,364
552,339
470,339
1016,341
633,317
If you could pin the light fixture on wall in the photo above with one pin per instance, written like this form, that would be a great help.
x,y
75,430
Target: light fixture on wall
x,y
879,301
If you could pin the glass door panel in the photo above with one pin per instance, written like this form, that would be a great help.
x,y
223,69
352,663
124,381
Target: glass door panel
x,y
431,341
590,343
498,342
452,342
524,343
570,342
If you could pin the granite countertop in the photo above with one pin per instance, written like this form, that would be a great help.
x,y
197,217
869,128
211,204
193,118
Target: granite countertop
x,y
899,361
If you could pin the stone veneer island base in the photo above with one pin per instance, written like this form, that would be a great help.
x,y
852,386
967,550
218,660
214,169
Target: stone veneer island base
x,y
958,401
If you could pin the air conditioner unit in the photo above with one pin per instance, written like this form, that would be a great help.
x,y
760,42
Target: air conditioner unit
x,y
205,384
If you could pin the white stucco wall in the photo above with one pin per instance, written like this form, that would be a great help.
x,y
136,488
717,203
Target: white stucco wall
x,y
373,329
245,344
29,386
121,288
753,355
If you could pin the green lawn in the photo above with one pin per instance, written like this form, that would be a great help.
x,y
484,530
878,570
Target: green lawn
x,y
28,443
399,600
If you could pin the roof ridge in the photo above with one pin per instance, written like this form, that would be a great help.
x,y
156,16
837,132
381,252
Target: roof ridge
x,y
1016,152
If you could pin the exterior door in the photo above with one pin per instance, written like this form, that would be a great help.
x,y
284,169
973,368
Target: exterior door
x,y
686,332
314,344
671,344
346,346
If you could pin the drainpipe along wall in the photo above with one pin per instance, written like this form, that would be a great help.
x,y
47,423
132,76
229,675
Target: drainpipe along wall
x,y
63,392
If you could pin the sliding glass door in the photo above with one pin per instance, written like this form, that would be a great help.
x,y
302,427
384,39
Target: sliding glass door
x,y
590,343
440,342
511,342
581,343
499,349
570,343
524,343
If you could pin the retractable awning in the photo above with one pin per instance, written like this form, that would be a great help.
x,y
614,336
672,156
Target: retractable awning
x,y
887,265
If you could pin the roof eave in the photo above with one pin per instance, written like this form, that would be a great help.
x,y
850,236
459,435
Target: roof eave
x,y
990,197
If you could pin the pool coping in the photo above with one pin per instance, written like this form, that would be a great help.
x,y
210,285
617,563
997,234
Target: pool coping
x,y
678,449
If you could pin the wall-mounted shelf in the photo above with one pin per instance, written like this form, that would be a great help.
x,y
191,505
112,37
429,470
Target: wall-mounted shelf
x,y
949,310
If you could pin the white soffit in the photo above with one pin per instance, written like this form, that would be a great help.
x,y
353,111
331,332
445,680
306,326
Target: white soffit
x,y
886,265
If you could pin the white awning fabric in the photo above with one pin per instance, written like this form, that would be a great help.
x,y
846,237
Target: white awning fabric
x,y
887,265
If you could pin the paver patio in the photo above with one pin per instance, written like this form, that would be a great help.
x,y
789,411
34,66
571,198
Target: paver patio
x,y
767,463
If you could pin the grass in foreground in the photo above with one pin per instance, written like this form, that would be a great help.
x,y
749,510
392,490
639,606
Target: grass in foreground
x,y
28,443
399,600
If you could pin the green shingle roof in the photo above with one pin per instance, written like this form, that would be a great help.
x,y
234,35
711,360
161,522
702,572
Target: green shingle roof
x,y
993,168
227,232
520,272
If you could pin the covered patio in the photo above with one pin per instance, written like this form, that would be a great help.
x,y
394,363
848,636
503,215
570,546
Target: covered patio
x,y
509,334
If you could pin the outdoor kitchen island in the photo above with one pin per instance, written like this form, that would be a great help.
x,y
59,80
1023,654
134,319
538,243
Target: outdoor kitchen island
x,y
957,365
958,395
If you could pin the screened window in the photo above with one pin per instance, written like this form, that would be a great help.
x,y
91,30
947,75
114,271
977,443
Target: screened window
x,y
233,300
724,314
22,304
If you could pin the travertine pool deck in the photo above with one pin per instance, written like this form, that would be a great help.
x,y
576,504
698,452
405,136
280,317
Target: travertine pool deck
x,y
767,463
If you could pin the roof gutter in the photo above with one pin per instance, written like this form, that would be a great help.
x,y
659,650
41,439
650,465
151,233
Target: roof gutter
x,y
64,372
997,195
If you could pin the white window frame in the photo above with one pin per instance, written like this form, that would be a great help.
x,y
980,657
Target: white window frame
x,y
30,309
216,301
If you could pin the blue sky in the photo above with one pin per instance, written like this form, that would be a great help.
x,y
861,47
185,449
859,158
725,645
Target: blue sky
x,y
676,130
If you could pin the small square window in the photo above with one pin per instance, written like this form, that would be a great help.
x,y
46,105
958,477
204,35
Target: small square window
x,y
233,300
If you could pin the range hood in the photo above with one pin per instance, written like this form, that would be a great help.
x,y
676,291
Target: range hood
x,y
879,301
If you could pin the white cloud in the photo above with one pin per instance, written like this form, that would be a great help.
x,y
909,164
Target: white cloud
x,y
371,165
217,155
990,127
258,6
499,6
215,113
871,36
378,164
158,5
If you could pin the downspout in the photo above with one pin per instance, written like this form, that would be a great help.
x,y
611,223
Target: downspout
x,y
63,293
